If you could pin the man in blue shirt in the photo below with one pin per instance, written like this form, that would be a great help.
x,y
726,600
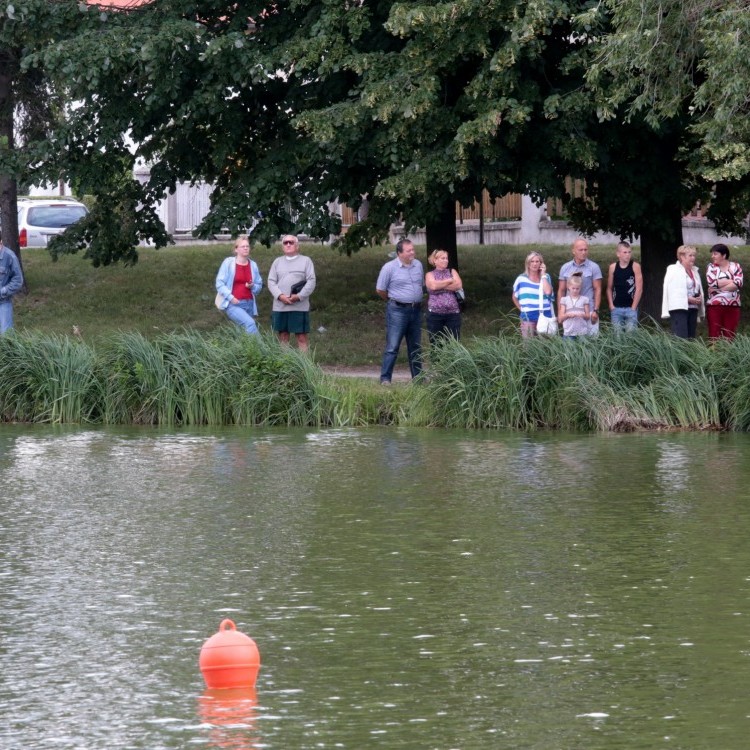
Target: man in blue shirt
x,y
401,283
11,281
591,280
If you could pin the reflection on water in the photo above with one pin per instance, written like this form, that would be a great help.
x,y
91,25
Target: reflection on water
x,y
407,589
230,718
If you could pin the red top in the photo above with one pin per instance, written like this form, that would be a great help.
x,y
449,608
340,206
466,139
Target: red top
x,y
243,275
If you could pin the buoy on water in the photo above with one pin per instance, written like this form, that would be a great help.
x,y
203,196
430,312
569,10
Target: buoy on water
x,y
229,659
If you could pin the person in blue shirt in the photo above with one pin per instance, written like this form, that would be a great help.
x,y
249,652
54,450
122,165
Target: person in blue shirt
x,y
591,280
400,283
11,281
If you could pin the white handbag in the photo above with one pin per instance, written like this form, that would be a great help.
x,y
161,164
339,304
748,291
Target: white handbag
x,y
545,326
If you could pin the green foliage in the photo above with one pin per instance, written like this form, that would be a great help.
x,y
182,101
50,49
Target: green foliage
x,y
645,380
181,379
40,109
47,379
413,105
683,61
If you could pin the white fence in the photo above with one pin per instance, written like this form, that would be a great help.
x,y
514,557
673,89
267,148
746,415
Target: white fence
x,y
184,209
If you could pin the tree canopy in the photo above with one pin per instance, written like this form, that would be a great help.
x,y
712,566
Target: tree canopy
x,y
40,142
286,107
661,56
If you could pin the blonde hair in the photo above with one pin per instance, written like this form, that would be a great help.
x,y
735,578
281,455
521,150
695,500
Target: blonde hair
x,y
574,280
533,254
683,250
242,238
434,254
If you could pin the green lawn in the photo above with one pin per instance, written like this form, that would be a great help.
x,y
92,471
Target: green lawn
x,y
173,288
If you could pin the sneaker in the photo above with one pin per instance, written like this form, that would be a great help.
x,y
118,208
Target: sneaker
x,y
385,382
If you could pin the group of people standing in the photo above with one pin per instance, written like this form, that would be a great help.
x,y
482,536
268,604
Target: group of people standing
x,y
684,300
579,293
291,281
401,283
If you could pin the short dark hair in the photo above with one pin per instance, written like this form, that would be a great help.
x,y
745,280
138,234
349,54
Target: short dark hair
x,y
720,247
400,244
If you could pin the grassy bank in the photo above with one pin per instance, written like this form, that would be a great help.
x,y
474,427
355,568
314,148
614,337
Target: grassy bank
x,y
647,380
150,348
173,288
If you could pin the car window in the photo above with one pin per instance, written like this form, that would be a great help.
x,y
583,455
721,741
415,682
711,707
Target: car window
x,y
54,216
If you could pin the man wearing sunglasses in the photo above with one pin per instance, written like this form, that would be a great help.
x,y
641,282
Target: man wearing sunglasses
x,y
291,281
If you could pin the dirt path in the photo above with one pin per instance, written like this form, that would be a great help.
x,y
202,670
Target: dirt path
x,y
400,374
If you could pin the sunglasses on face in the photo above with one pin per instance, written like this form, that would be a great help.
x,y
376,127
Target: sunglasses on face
x,y
288,242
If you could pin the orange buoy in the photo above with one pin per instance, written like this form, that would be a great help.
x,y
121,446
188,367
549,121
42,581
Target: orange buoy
x,y
229,659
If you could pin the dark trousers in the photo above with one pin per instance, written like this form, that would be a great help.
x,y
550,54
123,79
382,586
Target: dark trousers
x,y
440,325
684,323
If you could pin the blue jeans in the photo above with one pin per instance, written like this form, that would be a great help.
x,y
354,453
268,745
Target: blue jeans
x,y
624,318
6,315
242,315
402,323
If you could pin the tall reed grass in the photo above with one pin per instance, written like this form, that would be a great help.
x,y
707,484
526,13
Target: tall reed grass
x,y
48,379
644,380
187,378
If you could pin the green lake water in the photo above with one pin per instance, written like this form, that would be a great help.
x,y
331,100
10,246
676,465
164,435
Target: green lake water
x,y
406,588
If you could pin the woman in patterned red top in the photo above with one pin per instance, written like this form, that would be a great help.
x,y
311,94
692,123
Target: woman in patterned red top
x,y
724,281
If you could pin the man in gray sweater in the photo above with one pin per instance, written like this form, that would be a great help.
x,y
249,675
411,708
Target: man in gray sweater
x,y
291,281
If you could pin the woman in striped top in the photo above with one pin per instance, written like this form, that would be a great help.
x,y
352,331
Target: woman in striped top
x,y
526,293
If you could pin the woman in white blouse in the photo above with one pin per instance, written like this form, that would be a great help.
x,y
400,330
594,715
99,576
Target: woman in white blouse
x,y
683,301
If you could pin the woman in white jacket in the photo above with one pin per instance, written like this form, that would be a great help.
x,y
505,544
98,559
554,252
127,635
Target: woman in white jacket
x,y
683,301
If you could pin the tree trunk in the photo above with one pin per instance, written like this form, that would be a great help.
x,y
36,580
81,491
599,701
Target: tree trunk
x,y
658,250
481,219
8,184
441,232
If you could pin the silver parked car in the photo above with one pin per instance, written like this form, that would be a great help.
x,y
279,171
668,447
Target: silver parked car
x,y
40,219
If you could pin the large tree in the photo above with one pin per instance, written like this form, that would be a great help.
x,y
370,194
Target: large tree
x,y
285,107
37,106
676,70
29,104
